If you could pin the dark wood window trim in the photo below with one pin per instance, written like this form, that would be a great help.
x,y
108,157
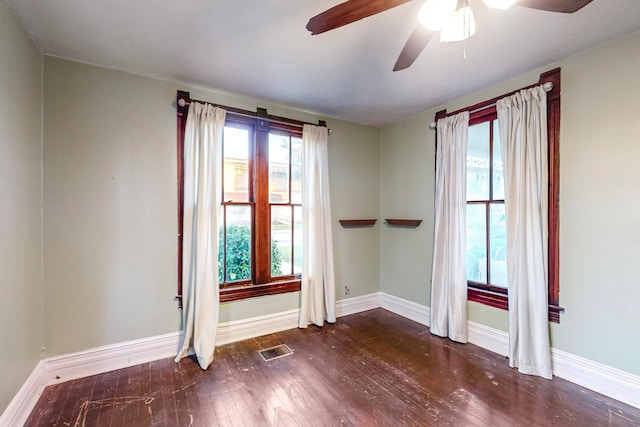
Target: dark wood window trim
x,y
262,123
483,111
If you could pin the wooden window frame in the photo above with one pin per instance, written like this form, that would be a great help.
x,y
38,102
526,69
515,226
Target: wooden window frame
x,y
262,123
495,296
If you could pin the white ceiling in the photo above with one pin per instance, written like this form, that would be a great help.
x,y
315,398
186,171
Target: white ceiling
x,y
261,48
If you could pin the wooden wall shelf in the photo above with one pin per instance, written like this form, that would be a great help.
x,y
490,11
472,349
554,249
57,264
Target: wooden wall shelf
x,y
357,222
403,222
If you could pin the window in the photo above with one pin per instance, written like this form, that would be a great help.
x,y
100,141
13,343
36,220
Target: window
x,y
486,228
261,203
260,241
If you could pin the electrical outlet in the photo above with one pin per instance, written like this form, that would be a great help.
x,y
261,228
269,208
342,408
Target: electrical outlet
x,y
347,290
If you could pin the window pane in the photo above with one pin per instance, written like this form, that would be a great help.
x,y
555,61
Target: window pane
x,y
281,228
476,243
278,168
296,170
236,164
478,162
498,244
297,240
238,242
498,177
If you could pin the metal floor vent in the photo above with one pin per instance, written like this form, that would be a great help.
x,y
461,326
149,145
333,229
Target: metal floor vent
x,y
275,352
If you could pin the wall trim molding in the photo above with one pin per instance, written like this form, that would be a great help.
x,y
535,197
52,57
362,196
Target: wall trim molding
x,y
604,379
107,358
615,383
252,327
67,367
359,304
488,338
611,382
405,308
22,404
601,378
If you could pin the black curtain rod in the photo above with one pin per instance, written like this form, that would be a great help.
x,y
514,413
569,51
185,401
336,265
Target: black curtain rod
x,y
183,100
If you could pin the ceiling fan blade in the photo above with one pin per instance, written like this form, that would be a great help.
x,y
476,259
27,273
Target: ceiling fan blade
x,y
348,12
418,40
563,6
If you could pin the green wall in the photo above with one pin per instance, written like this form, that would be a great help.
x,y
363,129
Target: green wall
x,y
110,209
599,204
407,192
21,212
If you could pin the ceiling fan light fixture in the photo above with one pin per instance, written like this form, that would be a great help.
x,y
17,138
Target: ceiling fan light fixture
x,y
434,14
461,26
500,4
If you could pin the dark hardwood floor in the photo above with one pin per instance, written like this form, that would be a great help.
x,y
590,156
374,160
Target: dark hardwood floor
x,y
372,368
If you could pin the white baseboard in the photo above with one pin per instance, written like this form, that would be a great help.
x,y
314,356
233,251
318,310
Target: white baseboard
x,y
20,407
603,379
121,355
110,357
244,329
405,308
357,304
611,382
488,338
107,358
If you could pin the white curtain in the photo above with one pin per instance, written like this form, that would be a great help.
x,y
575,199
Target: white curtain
x,y
317,293
202,196
449,277
523,139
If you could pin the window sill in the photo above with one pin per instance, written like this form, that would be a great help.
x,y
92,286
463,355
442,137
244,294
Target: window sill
x,y
501,301
252,291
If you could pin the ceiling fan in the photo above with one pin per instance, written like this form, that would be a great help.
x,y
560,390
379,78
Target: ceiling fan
x,y
452,17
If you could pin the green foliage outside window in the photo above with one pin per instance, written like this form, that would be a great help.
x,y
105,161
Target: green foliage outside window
x,y
239,254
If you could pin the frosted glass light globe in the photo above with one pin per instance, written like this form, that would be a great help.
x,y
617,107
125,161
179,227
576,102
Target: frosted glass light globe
x,y
500,4
461,26
435,14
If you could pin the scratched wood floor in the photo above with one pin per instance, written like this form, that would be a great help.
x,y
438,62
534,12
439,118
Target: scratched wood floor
x,y
372,368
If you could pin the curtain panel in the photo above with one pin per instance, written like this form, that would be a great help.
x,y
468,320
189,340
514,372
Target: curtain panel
x,y
202,196
317,288
522,120
449,275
